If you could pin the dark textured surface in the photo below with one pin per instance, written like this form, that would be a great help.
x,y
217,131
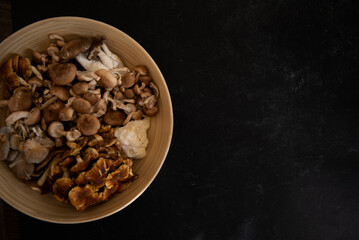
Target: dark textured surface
x,y
265,97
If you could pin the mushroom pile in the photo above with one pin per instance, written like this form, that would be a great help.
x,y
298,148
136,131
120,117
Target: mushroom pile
x,y
63,95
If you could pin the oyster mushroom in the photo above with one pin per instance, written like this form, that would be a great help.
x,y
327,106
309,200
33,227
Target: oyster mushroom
x,y
21,168
88,124
56,130
20,101
90,65
15,116
33,151
62,73
74,47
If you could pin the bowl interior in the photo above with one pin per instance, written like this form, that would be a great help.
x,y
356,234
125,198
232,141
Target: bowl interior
x,y
46,207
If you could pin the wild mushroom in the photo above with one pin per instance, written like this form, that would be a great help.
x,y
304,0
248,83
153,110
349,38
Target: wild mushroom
x,y
50,113
80,88
90,65
56,130
60,41
81,105
128,80
21,168
74,47
4,142
67,114
21,100
15,116
62,185
33,151
62,73
88,124
33,117
114,118
91,97
35,82
53,51
25,67
99,109
107,80
141,69
60,92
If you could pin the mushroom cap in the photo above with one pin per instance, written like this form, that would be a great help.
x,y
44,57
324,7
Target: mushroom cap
x,y
60,92
107,79
81,105
114,118
61,188
66,114
141,69
91,97
128,80
55,128
62,73
80,88
74,47
21,100
33,151
34,117
35,81
150,112
51,113
88,124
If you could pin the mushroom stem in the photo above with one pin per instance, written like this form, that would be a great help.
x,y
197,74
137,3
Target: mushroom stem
x,y
48,103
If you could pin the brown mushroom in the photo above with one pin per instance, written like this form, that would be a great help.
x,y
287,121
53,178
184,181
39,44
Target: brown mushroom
x,y
34,117
25,67
150,112
84,197
56,130
107,80
33,151
91,97
114,118
21,100
80,88
128,80
60,92
141,69
67,114
51,113
35,82
62,73
81,105
88,124
61,188
74,47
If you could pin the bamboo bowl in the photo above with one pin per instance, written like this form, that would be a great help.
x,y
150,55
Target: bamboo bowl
x,y
45,207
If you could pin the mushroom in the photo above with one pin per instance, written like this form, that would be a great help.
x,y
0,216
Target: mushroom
x,y
21,100
80,88
62,186
91,97
88,124
150,112
53,51
33,151
15,116
81,105
51,113
96,51
56,130
4,142
90,65
62,73
25,67
87,76
74,47
35,82
99,109
67,114
60,41
114,118
107,80
21,168
33,117
141,69
117,62
60,92
128,80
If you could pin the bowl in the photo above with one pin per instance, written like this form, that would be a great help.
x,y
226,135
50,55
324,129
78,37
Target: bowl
x,y
45,207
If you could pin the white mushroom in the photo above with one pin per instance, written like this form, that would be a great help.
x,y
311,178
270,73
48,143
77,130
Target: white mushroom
x,y
117,62
90,65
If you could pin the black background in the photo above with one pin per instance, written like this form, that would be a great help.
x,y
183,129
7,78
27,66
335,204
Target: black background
x,y
265,99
